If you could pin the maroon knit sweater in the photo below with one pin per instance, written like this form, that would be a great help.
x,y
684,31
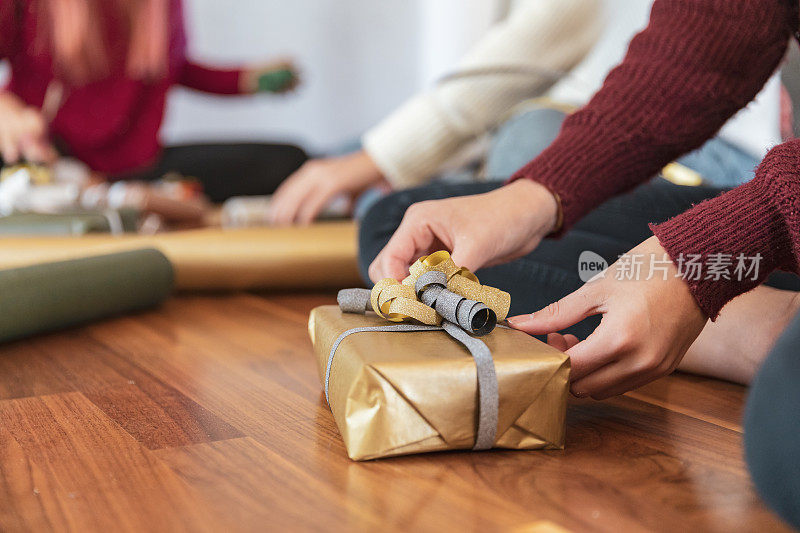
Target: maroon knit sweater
x,y
692,68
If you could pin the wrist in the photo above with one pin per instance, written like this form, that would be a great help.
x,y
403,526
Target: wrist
x,y
538,202
9,99
248,81
366,167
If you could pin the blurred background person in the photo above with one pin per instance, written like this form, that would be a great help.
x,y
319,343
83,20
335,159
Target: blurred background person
x,y
519,58
89,79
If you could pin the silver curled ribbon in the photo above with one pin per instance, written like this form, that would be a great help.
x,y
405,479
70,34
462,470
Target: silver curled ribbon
x,y
461,317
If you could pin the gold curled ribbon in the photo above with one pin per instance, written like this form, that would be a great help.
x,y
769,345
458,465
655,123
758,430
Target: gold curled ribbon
x,y
397,301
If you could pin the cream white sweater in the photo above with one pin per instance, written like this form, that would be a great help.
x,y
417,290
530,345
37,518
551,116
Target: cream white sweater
x,y
545,35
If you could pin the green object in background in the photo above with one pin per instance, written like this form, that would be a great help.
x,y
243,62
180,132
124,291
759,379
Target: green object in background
x,y
77,223
275,81
52,296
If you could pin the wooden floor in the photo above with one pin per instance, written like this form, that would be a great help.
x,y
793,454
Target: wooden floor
x,y
207,415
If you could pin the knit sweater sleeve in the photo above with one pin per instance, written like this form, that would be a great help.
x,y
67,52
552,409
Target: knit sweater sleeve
x,y
690,70
748,232
9,27
211,80
550,35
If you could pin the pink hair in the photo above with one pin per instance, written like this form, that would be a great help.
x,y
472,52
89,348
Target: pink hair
x,y
79,41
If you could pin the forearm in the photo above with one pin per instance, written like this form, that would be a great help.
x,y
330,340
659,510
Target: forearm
x,y
211,80
694,66
541,40
751,231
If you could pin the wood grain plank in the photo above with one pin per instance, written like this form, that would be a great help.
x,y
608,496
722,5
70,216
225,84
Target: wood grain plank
x,y
153,412
95,474
48,365
712,400
254,487
162,418
21,484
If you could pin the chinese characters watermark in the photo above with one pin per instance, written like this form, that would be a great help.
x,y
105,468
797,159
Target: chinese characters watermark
x,y
690,267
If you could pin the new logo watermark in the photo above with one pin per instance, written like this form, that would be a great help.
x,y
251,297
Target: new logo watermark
x,y
591,265
690,267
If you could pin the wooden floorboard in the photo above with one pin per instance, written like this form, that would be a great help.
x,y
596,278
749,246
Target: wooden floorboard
x,y
207,414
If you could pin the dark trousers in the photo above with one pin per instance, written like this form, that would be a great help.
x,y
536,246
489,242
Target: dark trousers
x,y
551,271
227,170
772,426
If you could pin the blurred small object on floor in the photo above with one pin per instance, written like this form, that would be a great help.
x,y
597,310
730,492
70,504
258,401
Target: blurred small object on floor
x,y
68,198
253,211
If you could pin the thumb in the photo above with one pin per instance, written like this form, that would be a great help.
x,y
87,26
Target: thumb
x,y
466,254
562,314
408,242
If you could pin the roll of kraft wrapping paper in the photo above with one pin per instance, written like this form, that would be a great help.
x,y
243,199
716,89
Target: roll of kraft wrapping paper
x,y
51,296
320,256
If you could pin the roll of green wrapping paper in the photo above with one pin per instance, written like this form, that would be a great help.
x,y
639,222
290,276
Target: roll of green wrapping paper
x,y
51,296
77,223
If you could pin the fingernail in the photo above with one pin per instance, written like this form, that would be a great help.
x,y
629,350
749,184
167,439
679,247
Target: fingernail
x,y
519,319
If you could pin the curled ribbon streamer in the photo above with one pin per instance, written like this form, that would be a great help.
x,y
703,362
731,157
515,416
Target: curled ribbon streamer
x,y
471,316
460,281
397,302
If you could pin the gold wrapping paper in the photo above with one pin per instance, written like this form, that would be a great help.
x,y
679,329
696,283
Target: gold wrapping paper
x,y
402,393
323,255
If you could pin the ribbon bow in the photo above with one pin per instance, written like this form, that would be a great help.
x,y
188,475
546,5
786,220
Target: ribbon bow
x,y
442,297
398,302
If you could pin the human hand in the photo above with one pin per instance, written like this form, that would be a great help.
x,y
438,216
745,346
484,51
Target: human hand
x,y
481,230
304,194
647,325
23,132
275,77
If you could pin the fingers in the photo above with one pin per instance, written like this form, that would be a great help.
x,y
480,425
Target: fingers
x,y
605,345
618,378
286,202
33,142
412,238
24,134
9,147
568,311
38,151
306,193
395,258
572,340
313,204
466,254
562,342
615,359
300,198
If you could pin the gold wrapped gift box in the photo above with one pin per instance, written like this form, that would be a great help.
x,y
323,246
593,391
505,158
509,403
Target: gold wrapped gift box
x,y
397,393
